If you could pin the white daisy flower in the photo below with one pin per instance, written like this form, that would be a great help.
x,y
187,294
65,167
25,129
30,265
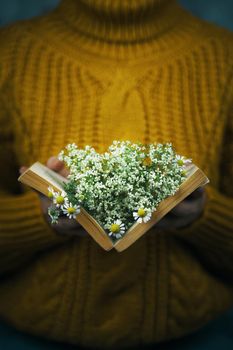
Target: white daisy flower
x,y
70,210
59,199
51,192
117,229
181,160
142,215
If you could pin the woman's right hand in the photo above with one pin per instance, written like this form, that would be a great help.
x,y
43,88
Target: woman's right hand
x,y
65,226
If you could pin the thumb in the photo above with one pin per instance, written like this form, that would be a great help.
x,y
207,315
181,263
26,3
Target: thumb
x,y
55,164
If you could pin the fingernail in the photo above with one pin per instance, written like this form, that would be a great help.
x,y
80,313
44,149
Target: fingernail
x,y
22,169
51,159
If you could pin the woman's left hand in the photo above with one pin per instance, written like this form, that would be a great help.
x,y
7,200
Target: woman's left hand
x,y
186,212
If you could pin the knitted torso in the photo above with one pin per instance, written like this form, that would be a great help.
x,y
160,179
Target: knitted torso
x,y
90,72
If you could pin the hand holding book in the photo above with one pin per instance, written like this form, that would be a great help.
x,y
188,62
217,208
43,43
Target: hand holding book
x,y
65,226
186,212
168,193
182,215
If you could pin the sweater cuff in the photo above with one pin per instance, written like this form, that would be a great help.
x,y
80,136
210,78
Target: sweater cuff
x,y
22,223
214,227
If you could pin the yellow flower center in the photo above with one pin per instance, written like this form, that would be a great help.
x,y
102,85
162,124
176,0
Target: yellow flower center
x,y
147,161
180,162
115,228
183,173
71,210
60,200
141,212
50,194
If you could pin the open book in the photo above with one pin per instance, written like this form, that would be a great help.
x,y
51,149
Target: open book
x,y
39,177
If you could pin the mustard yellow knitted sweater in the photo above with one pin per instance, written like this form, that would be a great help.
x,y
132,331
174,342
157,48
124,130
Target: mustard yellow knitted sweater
x,y
90,72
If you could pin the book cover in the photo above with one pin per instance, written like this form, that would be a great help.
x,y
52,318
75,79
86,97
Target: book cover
x,y
40,177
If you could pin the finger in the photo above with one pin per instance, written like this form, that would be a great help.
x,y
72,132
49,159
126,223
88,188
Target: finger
x,y
55,164
67,224
164,223
184,208
182,222
171,221
81,233
196,194
64,172
75,230
78,231
22,169
187,207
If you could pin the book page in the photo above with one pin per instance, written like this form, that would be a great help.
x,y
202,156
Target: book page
x,y
40,177
49,175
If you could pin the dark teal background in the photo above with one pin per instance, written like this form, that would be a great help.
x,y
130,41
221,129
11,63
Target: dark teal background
x,y
217,11
218,334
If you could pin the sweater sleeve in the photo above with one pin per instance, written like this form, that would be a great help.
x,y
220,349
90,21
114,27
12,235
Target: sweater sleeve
x,y
212,233
23,229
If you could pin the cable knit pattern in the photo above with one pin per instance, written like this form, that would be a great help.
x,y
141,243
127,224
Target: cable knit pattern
x,y
90,72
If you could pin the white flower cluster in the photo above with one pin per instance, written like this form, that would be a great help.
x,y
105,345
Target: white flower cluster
x,y
119,187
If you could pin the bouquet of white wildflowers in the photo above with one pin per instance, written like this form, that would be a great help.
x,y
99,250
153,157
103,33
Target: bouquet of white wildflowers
x,y
119,187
